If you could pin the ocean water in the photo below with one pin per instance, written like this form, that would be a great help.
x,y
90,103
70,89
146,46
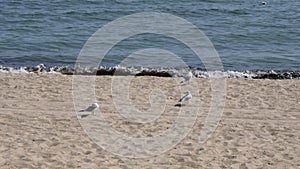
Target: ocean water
x,y
248,35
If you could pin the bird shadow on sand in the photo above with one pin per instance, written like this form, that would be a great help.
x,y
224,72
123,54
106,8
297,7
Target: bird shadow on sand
x,y
84,116
179,105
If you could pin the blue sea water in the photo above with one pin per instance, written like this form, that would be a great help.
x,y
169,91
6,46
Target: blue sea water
x,y
248,35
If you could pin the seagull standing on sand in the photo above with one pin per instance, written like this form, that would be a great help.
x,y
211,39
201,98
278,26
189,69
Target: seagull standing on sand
x,y
188,96
91,108
187,77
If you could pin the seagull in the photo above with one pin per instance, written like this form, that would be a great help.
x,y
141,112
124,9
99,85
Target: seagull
x,y
91,108
187,77
188,96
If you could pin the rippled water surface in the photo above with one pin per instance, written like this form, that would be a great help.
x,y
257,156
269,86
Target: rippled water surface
x,y
248,35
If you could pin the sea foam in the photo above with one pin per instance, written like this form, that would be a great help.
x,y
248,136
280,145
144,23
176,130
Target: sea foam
x,y
141,71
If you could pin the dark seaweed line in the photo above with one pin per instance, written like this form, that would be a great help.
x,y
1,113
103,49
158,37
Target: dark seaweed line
x,y
122,71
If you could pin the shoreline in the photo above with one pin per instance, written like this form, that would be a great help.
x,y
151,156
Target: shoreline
x,y
157,72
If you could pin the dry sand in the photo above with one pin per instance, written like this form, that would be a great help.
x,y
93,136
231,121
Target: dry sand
x,y
260,126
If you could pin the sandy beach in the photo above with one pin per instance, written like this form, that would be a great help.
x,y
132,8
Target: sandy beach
x,y
260,126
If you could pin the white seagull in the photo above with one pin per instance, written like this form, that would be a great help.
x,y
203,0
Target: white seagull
x,y
188,96
91,108
187,77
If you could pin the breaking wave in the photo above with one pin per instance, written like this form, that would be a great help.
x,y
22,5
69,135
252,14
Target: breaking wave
x,y
160,72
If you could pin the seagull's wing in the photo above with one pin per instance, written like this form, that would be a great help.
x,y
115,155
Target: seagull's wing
x,y
183,98
186,97
90,108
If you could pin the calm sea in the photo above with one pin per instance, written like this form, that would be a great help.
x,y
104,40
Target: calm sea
x,y
248,34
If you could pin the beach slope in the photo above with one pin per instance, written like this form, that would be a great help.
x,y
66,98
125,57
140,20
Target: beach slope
x,y
260,126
